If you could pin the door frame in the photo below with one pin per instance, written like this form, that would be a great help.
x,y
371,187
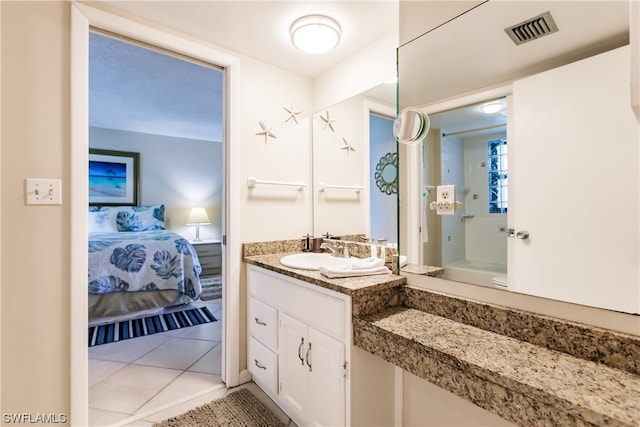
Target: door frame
x,y
82,18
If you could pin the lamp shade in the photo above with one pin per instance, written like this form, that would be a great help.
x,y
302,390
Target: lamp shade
x,y
198,216
315,33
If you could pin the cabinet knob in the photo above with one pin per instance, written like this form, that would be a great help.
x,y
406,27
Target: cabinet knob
x,y
259,322
259,365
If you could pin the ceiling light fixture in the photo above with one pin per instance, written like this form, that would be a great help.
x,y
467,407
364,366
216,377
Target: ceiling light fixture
x,y
491,108
315,33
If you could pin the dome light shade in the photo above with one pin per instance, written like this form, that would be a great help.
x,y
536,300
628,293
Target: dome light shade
x,y
492,108
315,33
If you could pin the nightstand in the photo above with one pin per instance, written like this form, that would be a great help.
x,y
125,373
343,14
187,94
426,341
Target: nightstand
x,y
210,256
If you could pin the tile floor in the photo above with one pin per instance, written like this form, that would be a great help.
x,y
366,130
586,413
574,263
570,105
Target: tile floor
x,y
145,380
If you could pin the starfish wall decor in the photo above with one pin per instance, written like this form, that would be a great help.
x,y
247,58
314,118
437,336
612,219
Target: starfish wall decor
x,y
327,122
292,114
347,147
266,132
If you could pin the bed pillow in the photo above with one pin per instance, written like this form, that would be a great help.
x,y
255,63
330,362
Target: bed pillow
x,y
102,222
139,218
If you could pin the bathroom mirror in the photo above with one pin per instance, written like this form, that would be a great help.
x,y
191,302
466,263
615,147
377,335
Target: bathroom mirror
x,y
355,164
554,244
410,126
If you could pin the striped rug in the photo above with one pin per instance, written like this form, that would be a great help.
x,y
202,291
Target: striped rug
x,y
211,287
112,332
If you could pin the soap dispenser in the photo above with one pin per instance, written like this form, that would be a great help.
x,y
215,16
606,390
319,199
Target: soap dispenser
x,y
307,243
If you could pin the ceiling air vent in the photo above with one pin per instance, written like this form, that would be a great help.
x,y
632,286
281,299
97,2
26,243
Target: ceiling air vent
x,y
532,29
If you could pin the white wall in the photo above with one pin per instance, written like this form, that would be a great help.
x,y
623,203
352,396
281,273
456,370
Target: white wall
x,y
179,172
427,405
35,259
369,68
431,222
274,212
452,173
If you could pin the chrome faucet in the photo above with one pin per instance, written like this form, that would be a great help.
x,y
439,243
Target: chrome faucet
x,y
337,249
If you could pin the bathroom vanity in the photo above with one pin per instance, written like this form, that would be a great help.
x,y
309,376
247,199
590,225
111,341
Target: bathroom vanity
x,y
298,336
525,368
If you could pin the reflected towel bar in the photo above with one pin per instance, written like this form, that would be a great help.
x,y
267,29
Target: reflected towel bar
x,y
357,188
252,182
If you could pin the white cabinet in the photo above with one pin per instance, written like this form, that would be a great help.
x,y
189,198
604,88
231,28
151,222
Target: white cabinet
x,y
262,348
312,373
544,168
310,344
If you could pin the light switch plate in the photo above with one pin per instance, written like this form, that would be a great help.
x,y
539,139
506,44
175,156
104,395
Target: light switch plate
x,y
43,191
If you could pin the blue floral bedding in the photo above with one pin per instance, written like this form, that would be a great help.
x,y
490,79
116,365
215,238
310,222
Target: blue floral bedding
x,y
143,261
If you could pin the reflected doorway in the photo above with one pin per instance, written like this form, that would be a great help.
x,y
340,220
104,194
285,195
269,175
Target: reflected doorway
x,y
467,147
383,179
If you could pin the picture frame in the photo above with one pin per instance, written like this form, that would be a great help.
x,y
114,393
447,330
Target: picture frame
x,y
113,177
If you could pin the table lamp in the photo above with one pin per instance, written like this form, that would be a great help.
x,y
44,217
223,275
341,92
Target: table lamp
x,y
198,216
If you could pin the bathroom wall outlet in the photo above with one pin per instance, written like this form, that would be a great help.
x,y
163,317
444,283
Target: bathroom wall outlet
x,y
445,199
446,193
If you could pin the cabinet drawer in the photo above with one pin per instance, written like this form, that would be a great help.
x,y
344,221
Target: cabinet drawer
x,y
263,322
318,309
213,261
263,365
208,249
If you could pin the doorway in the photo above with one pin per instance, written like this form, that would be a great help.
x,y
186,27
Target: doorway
x,y
167,109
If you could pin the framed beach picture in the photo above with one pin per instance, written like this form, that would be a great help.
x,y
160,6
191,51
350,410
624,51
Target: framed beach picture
x,y
113,177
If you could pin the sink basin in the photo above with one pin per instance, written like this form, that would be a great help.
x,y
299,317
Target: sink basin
x,y
310,260
313,261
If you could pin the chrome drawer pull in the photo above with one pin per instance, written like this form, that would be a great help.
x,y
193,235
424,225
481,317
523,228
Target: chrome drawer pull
x,y
300,348
259,365
308,358
259,322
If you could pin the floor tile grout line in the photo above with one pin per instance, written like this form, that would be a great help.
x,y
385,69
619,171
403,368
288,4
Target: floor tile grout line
x,y
167,367
161,389
204,355
166,406
150,398
124,365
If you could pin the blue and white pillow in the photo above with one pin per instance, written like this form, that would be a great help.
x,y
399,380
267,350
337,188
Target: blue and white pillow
x,y
102,222
138,218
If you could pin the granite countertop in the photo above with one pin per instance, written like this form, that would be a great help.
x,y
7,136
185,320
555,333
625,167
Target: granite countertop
x,y
522,382
527,383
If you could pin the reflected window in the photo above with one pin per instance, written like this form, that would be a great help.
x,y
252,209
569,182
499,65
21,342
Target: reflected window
x,y
498,176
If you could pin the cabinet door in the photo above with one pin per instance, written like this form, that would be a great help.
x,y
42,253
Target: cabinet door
x,y
293,372
560,159
326,380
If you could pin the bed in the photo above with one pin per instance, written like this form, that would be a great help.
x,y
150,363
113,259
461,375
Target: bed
x,y
136,266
